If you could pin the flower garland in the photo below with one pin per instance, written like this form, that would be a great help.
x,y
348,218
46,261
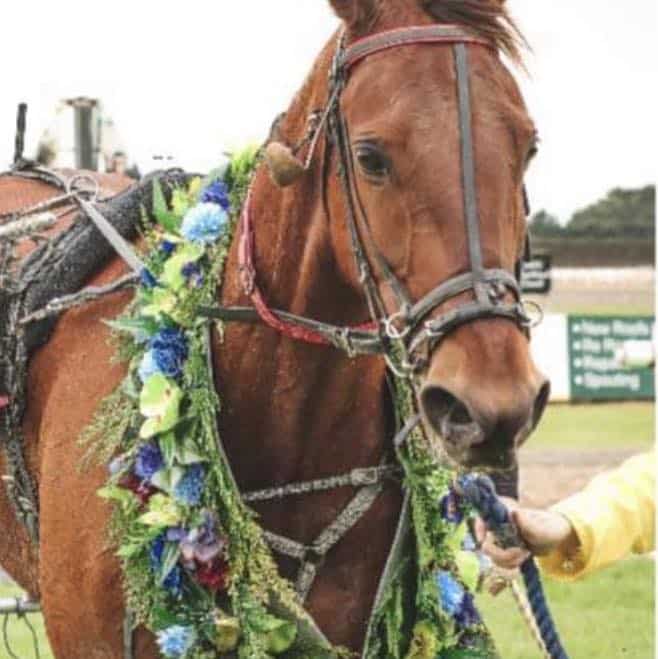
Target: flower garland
x,y
197,571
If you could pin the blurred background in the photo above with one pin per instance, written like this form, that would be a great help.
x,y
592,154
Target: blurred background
x,y
133,87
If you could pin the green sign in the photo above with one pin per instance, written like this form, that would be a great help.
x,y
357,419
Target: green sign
x,y
595,370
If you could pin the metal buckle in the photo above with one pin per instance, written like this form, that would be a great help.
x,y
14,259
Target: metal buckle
x,y
73,186
365,476
527,319
392,332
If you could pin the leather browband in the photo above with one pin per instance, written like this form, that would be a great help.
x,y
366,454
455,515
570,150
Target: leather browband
x,y
409,36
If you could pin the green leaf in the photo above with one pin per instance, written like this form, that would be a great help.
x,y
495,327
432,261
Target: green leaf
x,y
455,540
170,556
172,275
134,326
159,401
163,618
116,493
225,633
165,218
180,201
163,512
167,479
163,301
468,567
168,447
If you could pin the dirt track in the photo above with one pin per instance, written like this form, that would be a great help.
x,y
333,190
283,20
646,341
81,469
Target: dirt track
x,y
550,475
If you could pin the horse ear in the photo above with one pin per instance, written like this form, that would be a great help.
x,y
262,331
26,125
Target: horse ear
x,y
353,12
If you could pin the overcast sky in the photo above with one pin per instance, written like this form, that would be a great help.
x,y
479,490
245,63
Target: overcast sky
x,y
191,79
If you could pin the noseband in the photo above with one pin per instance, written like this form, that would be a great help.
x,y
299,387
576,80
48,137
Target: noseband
x,y
406,336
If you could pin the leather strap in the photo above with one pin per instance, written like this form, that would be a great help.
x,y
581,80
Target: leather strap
x,y
420,34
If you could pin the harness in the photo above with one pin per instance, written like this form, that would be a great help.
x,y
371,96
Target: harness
x,y
406,328
405,336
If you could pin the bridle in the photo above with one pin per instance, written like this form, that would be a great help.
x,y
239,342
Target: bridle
x,y
405,337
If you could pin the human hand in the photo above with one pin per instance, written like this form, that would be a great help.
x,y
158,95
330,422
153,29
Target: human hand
x,y
541,530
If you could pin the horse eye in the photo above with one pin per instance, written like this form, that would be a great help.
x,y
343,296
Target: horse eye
x,y
371,160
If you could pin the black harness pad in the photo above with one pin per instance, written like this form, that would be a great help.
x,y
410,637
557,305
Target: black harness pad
x,y
81,250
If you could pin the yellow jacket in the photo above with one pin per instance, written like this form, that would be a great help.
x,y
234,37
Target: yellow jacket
x,y
613,516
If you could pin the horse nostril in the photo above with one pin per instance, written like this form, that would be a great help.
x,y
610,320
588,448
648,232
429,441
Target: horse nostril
x,y
444,411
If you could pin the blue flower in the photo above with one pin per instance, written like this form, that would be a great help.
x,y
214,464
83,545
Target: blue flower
x,y
189,488
467,615
169,348
147,279
192,272
147,366
176,641
204,223
216,193
173,582
149,460
451,592
156,551
450,508
167,247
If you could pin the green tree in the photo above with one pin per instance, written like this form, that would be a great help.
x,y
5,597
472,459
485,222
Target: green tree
x,y
624,213
543,224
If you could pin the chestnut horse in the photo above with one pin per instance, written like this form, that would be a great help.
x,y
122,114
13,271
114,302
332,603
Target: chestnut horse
x,y
293,411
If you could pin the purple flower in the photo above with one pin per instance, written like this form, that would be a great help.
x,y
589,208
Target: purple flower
x,y
169,350
451,592
149,460
202,544
167,247
450,508
192,272
176,534
189,488
147,279
467,615
216,193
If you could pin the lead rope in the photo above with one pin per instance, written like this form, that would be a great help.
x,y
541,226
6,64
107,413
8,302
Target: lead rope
x,y
480,492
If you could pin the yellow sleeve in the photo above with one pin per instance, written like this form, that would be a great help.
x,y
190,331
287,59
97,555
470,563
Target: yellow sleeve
x,y
613,516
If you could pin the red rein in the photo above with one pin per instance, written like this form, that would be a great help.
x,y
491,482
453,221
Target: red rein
x,y
251,288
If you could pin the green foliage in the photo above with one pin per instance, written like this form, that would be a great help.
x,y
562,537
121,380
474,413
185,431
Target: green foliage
x,y
624,213
545,224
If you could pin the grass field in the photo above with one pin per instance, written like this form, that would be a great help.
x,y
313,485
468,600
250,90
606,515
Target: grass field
x,y
609,615
595,426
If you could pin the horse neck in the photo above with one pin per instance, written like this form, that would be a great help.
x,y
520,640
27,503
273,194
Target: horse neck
x,y
300,405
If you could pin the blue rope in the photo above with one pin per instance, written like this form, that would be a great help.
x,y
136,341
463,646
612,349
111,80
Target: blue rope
x,y
480,492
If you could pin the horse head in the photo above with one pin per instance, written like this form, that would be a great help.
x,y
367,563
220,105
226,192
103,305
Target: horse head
x,y
413,122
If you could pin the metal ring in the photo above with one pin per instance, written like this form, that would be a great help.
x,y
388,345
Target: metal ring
x,y
94,193
529,321
392,332
404,374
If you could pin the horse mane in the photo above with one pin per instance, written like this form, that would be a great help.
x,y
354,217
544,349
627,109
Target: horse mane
x,y
488,18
